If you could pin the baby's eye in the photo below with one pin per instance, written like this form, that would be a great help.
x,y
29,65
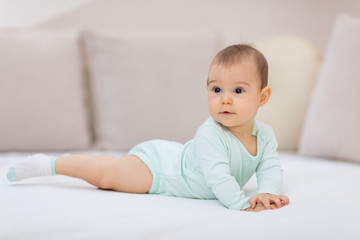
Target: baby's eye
x,y
216,89
239,90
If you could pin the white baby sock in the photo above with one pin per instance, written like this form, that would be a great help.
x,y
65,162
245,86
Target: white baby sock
x,y
32,166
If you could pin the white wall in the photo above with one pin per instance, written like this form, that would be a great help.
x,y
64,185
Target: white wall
x,y
237,20
29,13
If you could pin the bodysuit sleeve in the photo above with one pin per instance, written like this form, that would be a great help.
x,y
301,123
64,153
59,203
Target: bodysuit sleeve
x,y
269,172
212,153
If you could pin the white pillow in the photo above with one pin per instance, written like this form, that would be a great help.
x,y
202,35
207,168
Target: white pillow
x,y
332,126
293,67
41,94
148,86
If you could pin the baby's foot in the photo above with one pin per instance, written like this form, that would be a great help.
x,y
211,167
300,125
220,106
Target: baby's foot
x,y
32,166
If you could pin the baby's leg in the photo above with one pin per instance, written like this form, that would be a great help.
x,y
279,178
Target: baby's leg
x,y
125,174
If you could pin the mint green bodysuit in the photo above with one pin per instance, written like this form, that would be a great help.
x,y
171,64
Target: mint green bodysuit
x,y
213,165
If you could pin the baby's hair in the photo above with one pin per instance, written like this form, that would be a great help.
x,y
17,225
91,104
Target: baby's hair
x,y
239,52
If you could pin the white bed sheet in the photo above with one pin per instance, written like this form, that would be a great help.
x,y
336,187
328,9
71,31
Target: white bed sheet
x,y
324,204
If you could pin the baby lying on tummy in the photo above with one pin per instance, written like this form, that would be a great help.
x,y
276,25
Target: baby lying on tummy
x,y
228,148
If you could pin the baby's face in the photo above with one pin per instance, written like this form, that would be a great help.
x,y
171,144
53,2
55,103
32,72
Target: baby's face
x,y
234,94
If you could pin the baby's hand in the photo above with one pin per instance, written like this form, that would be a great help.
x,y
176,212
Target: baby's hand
x,y
269,201
259,207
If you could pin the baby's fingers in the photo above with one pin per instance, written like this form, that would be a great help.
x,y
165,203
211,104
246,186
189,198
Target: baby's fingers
x,y
273,206
266,204
253,201
284,200
277,203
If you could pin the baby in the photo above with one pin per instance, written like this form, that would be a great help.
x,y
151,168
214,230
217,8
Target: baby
x,y
228,148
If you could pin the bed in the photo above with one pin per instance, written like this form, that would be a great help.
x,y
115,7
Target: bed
x,y
323,194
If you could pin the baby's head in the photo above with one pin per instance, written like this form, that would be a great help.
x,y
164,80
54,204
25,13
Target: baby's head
x,y
238,53
237,86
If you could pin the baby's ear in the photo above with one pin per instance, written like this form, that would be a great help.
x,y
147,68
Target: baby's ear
x,y
264,95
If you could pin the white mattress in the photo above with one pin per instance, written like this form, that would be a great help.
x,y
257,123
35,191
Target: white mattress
x,y
324,204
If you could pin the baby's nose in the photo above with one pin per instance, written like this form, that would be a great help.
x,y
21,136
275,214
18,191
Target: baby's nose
x,y
226,99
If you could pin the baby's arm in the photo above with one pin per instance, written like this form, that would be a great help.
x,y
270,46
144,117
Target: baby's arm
x,y
211,153
269,176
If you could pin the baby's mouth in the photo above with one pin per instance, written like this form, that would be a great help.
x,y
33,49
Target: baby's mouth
x,y
226,113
